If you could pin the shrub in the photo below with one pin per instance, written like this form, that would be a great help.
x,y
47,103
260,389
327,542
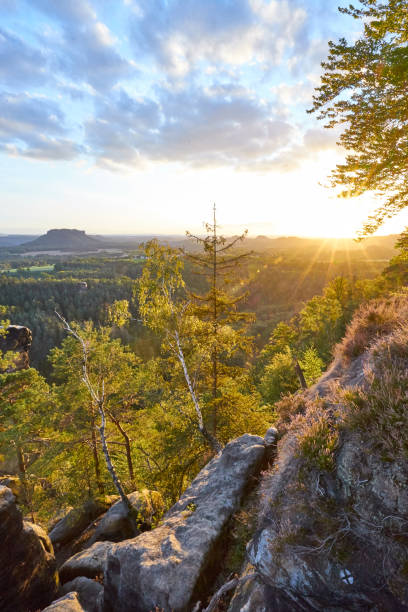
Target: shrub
x,y
279,377
381,408
318,443
287,408
373,320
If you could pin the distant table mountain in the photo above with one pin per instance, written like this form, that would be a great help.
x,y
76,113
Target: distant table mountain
x,y
63,239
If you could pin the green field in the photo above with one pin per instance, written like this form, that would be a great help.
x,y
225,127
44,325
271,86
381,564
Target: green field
x,y
34,269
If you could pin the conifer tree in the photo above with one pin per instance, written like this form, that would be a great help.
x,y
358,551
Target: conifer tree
x,y
165,310
218,263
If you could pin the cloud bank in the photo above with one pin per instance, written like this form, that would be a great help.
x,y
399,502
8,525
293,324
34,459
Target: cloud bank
x,y
205,83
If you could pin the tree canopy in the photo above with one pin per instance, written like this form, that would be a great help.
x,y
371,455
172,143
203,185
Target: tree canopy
x,y
364,88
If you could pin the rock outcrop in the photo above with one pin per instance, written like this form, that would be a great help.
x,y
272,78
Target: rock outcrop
x,y
171,566
13,483
28,578
78,519
89,562
114,525
68,603
333,516
81,528
90,593
18,340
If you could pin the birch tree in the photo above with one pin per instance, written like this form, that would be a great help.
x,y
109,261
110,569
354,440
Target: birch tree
x,y
164,308
97,394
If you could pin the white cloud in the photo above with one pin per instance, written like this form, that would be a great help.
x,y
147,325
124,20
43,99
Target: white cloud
x,y
184,33
194,127
87,50
32,126
21,65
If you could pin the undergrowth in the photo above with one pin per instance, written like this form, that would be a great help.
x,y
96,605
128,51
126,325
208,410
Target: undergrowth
x,y
374,320
381,407
318,443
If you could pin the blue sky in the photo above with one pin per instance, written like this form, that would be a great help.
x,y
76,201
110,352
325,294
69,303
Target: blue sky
x,y
133,116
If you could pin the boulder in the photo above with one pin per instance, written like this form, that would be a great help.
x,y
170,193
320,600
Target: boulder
x,y
89,562
90,592
271,436
114,525
169,566
67,603
13,483
77,520
254,596
28,577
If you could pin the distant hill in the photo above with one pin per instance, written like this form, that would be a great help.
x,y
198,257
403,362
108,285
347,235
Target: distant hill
x,y
11,240
61,239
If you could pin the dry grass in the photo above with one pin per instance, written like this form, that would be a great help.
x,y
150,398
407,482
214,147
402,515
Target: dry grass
x,y
287,408
316,435
380,410
374,320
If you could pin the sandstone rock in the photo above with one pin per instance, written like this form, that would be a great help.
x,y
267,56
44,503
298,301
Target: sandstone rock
x,y
56,518
255,596
89,591
77,520
13,483
271,436
28,578
89,562
68,603
18,340
114,525
168,566
250,596
331,540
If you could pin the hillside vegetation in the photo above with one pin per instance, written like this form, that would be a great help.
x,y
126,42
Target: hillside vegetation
x,y
49,424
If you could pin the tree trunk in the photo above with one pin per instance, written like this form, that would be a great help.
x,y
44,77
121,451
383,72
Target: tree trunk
x,y
215,331
22,473
112,471
127,447
211,439
215,391
99,482
300,375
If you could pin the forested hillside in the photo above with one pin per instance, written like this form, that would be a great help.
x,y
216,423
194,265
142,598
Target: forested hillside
x,y
165,363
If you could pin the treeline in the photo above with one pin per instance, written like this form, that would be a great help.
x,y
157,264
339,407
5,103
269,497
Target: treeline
x,y
277,287
33,303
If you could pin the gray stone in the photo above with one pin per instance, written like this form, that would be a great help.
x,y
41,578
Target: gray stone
x,y
28,577
89,562
89,591
114,525
17,340
68,603
331,540
167,567
77,520
255,596
249,596
271,436
13,483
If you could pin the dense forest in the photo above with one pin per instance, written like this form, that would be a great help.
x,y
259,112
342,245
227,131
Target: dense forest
x,y
189,356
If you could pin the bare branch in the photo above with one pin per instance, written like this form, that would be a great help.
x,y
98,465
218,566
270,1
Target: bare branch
x,y
99,400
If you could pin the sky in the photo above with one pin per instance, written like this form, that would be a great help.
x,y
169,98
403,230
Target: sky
x,y
134,116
